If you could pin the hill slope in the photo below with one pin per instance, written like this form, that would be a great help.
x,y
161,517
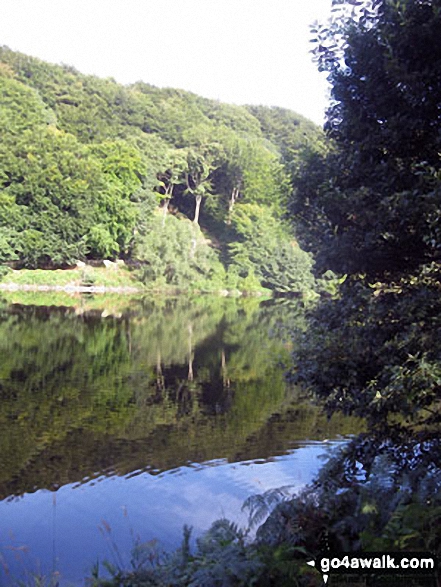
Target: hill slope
x,y
92,169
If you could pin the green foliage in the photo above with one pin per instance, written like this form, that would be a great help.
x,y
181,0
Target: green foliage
x,y
175,253
372,495
294,136
220,559
249,170
263,176
372,205
375,351
288,269
4,270
238,118
329,284
21,107
59,201
88,185
266,249
122,163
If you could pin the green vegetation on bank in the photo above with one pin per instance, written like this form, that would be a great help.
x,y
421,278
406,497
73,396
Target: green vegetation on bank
x,y
87,276
192,190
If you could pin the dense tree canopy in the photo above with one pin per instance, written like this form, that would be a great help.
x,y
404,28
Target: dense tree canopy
x,y
367,204
86,162
373,203
371,208
294,135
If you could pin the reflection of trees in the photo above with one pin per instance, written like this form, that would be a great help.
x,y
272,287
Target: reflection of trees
x,y
59,373
81,394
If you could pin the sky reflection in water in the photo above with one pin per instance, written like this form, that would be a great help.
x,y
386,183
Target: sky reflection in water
x,y
168,414
64,526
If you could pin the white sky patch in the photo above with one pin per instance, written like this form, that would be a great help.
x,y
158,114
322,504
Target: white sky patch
x,y
238,51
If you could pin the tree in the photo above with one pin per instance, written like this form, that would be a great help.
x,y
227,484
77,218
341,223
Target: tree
x,y
264,247
175,253
249,170
197,179
123,169
85,160
377,195
176,166
293,135
21,107
204,155
57,204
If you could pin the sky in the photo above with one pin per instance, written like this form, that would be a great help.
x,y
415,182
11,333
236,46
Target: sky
x,y
237,51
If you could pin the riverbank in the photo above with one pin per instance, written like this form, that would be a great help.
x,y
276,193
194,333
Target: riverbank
x,y
111,278
70,288
82,278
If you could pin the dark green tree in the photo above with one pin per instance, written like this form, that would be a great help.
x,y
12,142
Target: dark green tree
x,y
373,204
85,161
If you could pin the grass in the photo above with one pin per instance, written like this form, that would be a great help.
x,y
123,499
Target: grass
x,y
119,277
88,276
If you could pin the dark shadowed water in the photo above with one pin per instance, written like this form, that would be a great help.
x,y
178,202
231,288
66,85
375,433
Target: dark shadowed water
x,y
118,421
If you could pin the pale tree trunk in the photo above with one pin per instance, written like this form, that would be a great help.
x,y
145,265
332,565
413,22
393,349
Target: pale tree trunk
x,y
197,209
159,376
168,195
234,195
165,210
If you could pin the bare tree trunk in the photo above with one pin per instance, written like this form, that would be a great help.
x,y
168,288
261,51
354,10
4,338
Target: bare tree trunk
x,y
197,209
168,195
234,195
165,210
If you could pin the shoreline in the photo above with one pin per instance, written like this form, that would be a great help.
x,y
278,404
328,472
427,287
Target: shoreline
x,y
129,290
71,288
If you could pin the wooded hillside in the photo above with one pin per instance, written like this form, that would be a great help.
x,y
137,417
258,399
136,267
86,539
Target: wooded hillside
x,y
92,169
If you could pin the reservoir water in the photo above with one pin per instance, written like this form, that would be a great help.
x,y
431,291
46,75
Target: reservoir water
x,y
124,421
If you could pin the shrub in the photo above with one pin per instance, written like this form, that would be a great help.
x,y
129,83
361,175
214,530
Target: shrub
x,y
265,248
175,253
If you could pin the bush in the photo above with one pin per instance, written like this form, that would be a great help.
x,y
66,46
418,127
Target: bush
x,y
4,270
266,249
175,253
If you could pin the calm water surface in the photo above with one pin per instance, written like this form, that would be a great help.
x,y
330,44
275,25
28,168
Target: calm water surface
x,y
118,422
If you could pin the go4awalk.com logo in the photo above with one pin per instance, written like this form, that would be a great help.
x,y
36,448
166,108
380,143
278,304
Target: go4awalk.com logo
x,y
372,563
